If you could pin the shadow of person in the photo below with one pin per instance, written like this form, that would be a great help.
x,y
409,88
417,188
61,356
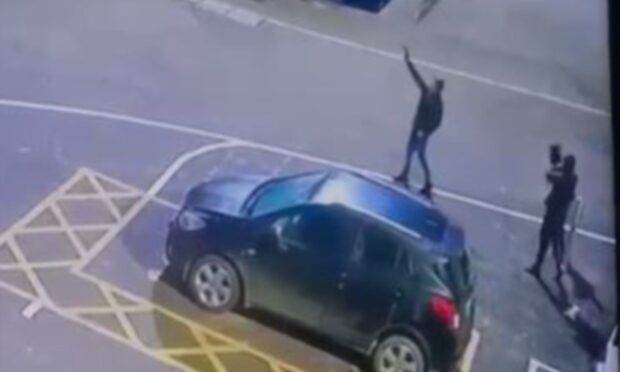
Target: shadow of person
x,y
560,299
586,336
583,288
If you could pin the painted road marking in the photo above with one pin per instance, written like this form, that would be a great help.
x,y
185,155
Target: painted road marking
x,y
212,135
217,7
237,14
535,365
153,190
32,309
119,305
246,17
467,360
153,275
446,70
251,18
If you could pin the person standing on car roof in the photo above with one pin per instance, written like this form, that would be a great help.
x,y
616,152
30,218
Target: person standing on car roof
x,y
426,121
563,184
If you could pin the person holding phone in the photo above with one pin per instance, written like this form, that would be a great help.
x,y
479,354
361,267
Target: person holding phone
x,y
426,121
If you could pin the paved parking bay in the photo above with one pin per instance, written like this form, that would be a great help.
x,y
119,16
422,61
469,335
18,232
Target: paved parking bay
x,y
91,254
110,110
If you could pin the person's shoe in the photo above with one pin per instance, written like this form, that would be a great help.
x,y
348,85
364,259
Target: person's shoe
x,y
427,191
401,180
534,271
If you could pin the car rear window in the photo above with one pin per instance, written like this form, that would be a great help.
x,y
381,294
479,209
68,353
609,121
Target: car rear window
x,y
395,206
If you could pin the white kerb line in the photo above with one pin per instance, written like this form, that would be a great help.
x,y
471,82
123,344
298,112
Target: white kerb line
x,y
212,135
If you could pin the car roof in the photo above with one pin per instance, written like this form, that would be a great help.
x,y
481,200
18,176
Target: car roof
x,y
391,191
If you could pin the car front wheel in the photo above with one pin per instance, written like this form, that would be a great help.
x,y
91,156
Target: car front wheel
x,y
399,354
214,284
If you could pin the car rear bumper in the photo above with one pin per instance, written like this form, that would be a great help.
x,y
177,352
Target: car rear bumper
x,y
448,347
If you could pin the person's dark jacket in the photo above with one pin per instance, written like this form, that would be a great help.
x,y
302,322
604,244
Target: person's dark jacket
x,y
563,186
430,107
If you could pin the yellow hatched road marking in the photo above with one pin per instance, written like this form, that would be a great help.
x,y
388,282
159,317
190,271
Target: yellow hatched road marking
x,y
226,344
206,348
95,310
120,315
105,198
96,328
77,245
27,269
120,312
56,229
39,265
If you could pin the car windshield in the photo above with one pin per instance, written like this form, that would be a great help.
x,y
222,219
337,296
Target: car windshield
x,y
384,202
283,193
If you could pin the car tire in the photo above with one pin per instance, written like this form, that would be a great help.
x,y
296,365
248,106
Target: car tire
x,y
399,353
214,284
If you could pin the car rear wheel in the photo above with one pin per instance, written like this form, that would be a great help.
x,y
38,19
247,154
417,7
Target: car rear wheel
x,y
214,284
399,353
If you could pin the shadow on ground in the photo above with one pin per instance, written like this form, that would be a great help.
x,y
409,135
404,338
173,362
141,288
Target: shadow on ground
x,y
591,340
169,281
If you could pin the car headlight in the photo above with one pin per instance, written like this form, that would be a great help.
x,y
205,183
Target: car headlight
x,y
190,221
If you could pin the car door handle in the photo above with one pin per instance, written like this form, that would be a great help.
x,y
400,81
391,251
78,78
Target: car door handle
x,y
344,275
249,252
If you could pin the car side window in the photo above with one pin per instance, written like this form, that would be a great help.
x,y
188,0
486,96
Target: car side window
x,y
377,249
317,229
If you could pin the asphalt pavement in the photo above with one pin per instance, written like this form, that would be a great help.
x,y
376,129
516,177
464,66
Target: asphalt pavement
x,y
268,84
120,91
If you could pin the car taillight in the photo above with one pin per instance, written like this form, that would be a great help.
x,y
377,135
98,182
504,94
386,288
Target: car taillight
x,y
444,310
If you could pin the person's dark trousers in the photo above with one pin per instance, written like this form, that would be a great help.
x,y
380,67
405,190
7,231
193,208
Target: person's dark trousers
x,y
417,144
551,233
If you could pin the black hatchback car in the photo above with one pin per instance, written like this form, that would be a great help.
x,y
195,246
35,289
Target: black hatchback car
x,y
363,262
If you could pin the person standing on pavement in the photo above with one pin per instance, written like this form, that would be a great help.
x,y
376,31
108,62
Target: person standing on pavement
x,y
563,181
426,121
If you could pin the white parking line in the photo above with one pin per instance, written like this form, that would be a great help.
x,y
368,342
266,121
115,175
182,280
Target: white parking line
x,y
152,191
251,18
444,69
153,275
468,357
32,309
535,365
237,142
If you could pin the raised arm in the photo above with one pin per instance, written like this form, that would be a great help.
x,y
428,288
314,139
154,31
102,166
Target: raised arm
x,y
412,70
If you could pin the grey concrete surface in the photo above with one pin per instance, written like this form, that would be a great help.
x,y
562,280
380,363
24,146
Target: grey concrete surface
x,y
139,248
33,344
38,151
166,60
518,317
